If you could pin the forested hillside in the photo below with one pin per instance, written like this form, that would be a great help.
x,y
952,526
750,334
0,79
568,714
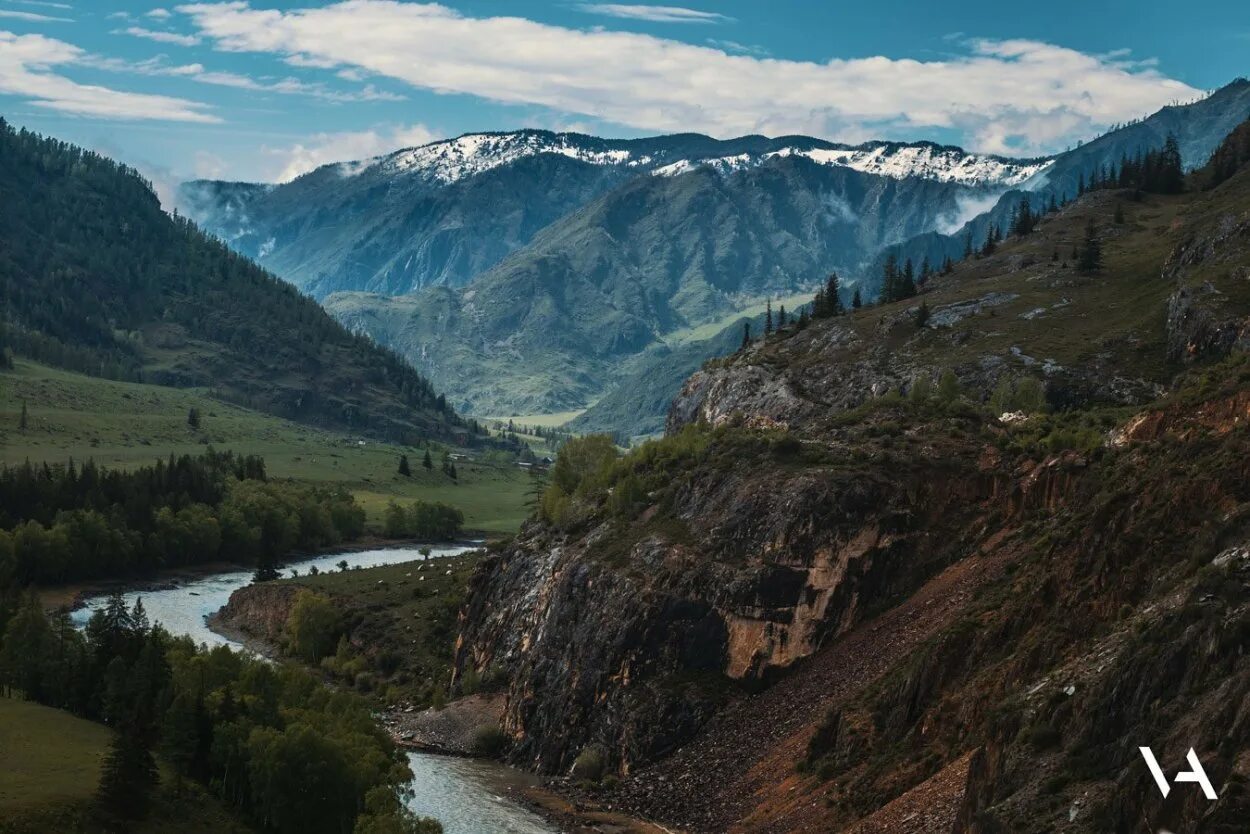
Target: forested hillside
x,y
95,277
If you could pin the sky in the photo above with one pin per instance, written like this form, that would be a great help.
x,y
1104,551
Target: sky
x,y
269,89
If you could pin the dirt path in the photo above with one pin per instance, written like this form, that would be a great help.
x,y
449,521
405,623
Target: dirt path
x,y
738,773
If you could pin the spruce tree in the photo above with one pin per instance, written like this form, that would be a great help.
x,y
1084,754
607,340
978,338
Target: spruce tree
x,y
890,279
833,295
781,317
127,777
427,461
922,315
746,335
193,418
1090,258
856,300
404,468
768,318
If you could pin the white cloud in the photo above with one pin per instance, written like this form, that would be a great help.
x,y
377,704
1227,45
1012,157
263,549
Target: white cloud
x,y
325,148
221,78
32,17
209,166
159,37
26,63
736,48
47,4
655,14
159,14
989,93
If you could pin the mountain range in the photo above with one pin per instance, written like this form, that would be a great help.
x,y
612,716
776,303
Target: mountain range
x,y
535,272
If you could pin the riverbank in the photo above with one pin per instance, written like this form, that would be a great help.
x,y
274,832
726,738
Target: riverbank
x,y
409,611
71,595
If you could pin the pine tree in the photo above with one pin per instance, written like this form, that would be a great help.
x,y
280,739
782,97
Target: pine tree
x,y
404,468
768,319
1090,259
922,315
907,281
746,335
781,317
180,737
833,295
193,418
991,242
856,300
890,275
967,246
427,461
819,305
127,777
926,272
1171,176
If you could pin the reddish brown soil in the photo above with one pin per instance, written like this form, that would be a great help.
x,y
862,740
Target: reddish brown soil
x,y
739,773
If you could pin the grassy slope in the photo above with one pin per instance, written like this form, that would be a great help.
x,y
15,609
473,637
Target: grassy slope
x,y
394,610
127,424
1113,321
50,766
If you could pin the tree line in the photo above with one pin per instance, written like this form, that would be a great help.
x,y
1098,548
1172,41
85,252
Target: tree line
x,y
64,523
287,753
428,520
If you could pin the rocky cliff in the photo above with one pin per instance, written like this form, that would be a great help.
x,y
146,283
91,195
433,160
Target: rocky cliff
x,y
839,597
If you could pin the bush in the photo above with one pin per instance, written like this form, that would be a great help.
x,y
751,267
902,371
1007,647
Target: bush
x,y
312,627
489,741
591,764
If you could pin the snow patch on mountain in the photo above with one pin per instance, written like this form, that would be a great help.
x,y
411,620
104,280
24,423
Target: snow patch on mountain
x,y
896,161
466,156
452,160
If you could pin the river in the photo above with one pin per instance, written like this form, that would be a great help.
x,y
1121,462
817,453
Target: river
x,y
467,795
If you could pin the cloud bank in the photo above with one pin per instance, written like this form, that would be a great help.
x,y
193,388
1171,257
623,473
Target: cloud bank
x,y
1004,96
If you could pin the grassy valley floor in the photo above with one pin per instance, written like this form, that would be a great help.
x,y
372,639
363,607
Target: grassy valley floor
x,y
50,766
120,424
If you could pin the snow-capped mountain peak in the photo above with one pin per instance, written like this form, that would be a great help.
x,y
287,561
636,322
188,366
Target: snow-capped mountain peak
x,y
475,153
924,161
452,160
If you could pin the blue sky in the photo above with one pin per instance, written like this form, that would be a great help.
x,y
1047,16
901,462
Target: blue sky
x,y
269,88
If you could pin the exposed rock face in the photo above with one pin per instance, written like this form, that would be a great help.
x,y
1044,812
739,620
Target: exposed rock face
x,y
259,611
1202,321
633,648
1199,329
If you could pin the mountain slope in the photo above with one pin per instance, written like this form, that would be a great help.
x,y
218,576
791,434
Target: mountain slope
x,y
817,605
441,213
1199,128
552,322
97,278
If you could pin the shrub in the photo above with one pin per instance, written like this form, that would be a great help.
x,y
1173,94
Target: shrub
x,y
591,764
490,741
312,627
